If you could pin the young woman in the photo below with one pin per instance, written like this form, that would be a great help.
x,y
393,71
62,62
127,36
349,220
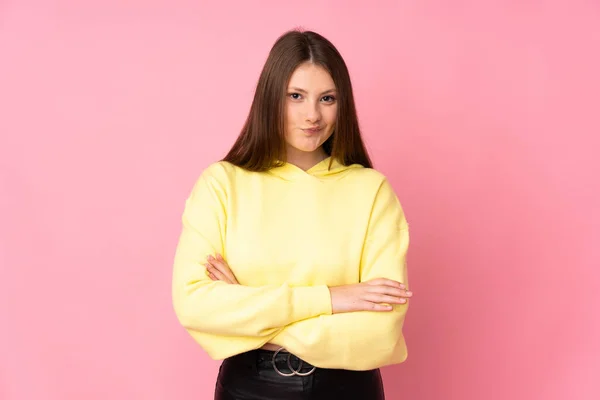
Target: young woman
x,y
291,264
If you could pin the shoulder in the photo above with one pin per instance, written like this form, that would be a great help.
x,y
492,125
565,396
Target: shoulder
x,y
222,173
369,177
223,176
219,171
369,174
376,184
214,178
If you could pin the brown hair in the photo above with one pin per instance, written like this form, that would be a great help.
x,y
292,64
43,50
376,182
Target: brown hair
x,y
262,142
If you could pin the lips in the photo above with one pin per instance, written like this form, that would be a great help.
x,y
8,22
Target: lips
x,y
312,130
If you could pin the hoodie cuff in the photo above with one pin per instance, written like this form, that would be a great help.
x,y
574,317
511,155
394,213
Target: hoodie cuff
x,y
310,301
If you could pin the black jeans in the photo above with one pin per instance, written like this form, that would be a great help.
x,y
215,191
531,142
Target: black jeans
x,y
251,376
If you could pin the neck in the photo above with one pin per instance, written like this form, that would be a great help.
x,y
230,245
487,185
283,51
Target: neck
x,y
306,160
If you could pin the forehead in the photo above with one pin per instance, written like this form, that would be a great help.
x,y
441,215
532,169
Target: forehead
x,y
311,77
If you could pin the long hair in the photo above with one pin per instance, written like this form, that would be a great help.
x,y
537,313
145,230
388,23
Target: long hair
x,y
261,143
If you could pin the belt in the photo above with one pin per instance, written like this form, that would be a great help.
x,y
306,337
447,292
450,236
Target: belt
x,y
294,371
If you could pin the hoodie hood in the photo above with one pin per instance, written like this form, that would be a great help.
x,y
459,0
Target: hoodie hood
x,y
320,171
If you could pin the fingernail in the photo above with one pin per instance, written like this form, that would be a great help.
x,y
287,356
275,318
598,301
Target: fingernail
x,y
402,286
402,300
409,293
210,258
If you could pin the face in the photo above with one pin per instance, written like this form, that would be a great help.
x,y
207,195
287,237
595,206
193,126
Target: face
x,y
310,110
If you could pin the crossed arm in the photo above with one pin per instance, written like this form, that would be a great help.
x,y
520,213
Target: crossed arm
x,y
301,319
359,318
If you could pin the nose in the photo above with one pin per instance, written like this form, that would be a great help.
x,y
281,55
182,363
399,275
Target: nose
x,y
313,112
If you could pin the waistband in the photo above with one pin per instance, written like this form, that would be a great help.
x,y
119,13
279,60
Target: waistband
x,y
282,361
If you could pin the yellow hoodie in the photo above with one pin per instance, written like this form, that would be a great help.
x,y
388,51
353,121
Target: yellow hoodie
x,y
288,234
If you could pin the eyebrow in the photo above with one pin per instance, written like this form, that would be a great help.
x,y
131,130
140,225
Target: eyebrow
x,y
304,91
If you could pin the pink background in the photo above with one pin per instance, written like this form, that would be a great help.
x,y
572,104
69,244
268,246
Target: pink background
x,y
484,115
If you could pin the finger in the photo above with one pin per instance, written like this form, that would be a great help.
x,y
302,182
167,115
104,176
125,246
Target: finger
x,y
390,291
224,269
381,298
386,282
222,265
229,271
216,272
208,273
370,306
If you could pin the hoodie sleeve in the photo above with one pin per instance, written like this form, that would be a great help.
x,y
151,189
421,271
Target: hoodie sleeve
x,y
366,339
227,319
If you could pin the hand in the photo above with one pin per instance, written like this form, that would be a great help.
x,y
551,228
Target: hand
x,y
368,296
217,269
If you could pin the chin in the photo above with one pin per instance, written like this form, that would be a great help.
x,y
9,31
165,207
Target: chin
x,y
306,144
307,149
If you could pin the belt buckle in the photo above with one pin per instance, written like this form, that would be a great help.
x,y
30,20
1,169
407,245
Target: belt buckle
x,y
289,363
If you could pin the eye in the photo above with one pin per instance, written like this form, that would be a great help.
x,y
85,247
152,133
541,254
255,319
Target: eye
x,y
331,99
294,94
